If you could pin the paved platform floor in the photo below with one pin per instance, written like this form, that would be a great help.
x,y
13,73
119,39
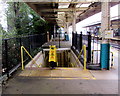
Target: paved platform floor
x,y
43,85
22,85
63,44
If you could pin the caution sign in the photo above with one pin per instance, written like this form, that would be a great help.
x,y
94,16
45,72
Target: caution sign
x,y
52,54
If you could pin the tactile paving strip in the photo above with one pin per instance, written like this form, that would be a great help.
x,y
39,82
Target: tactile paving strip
x,y
58,73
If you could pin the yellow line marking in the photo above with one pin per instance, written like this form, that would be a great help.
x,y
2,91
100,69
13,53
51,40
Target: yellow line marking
x,y
94,78
86,78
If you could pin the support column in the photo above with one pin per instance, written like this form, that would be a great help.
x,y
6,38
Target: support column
x,y
74,26
74,21
67,27
105,46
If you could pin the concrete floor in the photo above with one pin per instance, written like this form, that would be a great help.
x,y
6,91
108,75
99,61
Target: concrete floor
x,y
42,85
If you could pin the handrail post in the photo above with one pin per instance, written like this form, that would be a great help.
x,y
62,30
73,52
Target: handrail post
x,y
22,47
6,54
84,48
22,58
92,56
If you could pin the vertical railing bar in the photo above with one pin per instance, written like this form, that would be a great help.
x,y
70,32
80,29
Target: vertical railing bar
x,y
6,55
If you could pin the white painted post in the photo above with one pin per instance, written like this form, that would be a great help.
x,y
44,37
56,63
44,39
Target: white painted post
x,y
74,21
105,22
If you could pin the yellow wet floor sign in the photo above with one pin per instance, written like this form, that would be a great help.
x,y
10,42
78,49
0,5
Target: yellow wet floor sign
x,y
53,54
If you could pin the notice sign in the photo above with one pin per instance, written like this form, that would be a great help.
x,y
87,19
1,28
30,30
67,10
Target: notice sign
x,y
109,34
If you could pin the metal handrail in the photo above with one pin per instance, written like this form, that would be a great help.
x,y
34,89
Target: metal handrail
x,y
83,50
22,60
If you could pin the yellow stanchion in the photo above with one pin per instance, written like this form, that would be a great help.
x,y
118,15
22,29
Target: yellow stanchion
x,y
22,61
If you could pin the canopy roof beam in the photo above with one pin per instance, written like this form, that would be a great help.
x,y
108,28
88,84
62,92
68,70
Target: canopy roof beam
x,y
64,9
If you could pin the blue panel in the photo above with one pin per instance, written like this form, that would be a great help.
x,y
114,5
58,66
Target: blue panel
x,y
67,37
104,56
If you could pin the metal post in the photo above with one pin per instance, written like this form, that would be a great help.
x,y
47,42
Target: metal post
x,y
72,39
74,25
76,40
85,64
30,43
80,40
59,37
6,55
20,45
89,48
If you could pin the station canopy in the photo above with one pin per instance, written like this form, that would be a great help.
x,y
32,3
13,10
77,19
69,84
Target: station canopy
x,y
58,12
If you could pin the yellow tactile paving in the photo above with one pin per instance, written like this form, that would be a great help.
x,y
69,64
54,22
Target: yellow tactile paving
x,y
60,72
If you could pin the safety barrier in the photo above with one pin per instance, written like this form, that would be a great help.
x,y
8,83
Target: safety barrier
x,y
22,60
78,40
112,58
84,58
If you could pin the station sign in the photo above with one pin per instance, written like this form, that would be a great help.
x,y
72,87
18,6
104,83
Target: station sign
x,y
109,34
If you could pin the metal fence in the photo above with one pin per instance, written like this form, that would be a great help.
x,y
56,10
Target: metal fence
x,y
78,40
11,50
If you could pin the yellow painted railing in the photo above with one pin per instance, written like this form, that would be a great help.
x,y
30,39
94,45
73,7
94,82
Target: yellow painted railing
x,y
22,60
84,58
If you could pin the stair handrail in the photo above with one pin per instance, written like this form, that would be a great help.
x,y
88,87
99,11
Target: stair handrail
x,y
22,60
84,51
